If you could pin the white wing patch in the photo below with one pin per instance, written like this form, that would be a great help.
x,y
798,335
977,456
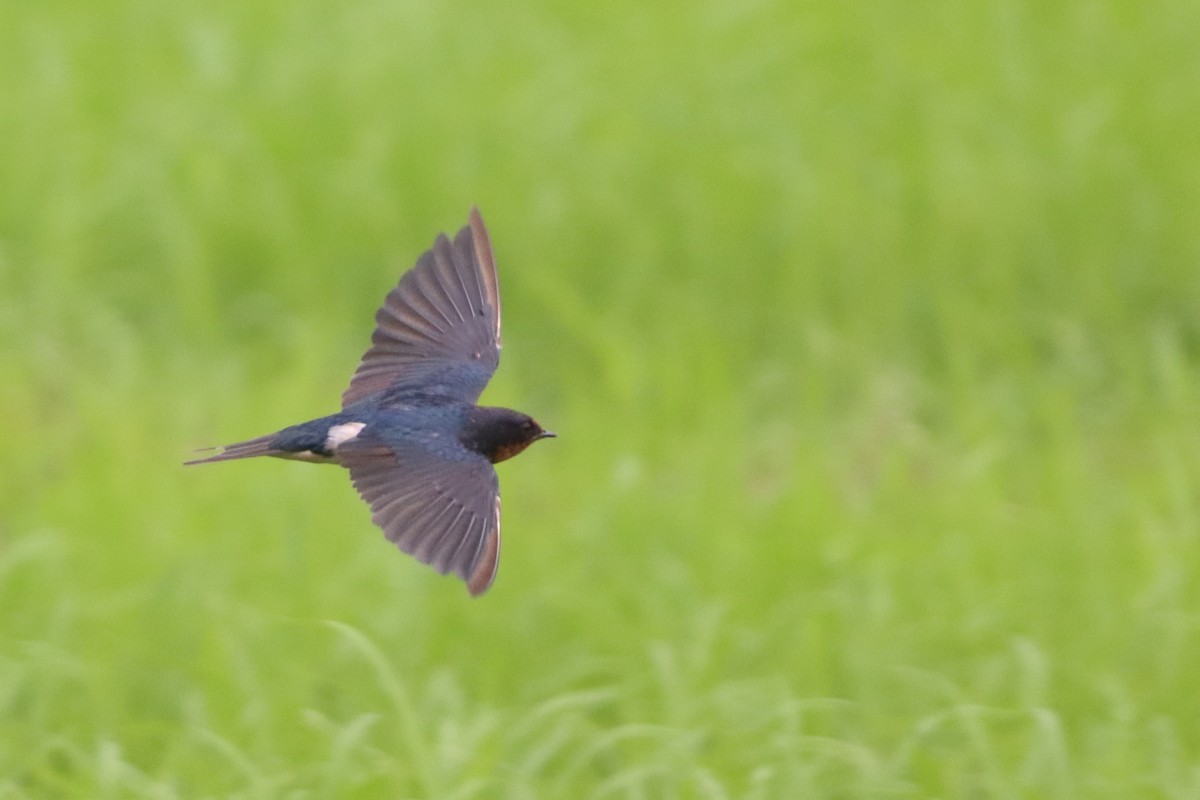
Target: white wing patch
x,y
340,434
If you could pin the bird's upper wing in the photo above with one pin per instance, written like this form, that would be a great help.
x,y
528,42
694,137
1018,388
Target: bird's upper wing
x,y
440,323
444,511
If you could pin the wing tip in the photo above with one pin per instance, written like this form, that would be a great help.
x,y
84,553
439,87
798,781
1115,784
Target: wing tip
x,y
485,258
475,220
488,560
485,569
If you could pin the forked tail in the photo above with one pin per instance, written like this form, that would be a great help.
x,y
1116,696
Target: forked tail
x,y
247,449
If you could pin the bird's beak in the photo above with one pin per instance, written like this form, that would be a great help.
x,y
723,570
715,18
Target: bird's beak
x,y
547,435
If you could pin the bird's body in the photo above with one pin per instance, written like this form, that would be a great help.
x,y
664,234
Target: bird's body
x,y
418,448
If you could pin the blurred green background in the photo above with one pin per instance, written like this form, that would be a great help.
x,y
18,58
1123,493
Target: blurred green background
x,y
871,332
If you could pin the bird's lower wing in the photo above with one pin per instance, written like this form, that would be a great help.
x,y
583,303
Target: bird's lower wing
x,y
444,512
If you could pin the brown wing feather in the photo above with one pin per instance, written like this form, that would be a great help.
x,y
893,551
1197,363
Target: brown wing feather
x,y
444,512
443,317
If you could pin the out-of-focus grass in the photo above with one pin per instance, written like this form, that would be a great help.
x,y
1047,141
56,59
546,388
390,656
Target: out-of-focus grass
x,y
871,332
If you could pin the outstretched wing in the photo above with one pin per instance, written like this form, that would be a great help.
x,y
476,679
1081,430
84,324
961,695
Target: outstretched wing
x,y
441,323
445,512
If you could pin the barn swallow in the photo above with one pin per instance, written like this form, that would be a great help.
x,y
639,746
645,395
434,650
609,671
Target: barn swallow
x,y
419,450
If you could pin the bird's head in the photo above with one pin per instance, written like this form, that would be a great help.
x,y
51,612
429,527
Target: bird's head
x,y
501,433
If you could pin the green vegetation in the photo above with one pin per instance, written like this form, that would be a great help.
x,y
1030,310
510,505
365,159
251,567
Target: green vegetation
x,y
871,332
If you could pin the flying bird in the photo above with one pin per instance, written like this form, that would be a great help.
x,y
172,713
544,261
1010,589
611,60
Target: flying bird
x,y
419,450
